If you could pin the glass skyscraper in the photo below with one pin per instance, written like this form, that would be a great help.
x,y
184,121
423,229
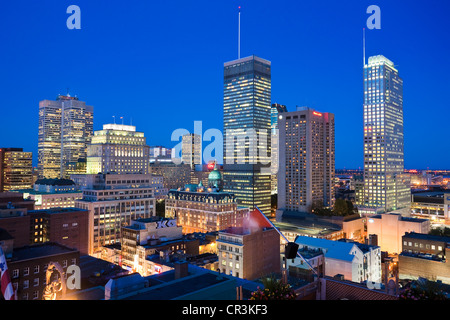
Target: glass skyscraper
x,y
275,111
386,187
65,129
247,125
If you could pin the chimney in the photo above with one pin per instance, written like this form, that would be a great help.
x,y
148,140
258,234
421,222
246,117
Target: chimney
x,y
181,269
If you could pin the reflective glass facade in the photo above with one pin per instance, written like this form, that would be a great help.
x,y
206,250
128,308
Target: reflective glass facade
x,y
247,121
65,129
385,186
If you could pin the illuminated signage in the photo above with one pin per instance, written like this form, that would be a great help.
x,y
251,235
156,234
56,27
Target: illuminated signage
x,y
317,113
210,165
166,223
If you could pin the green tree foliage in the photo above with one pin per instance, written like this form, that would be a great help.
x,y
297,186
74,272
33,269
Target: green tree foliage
x,y
274,289
442,232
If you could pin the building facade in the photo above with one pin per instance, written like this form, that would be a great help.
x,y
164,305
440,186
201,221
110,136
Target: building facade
x,y
354,261
144,232
198,209
52,193
113,201
28,267
432,205
390,228
275,111
249,254
191,150
16,170
424,256
246,118
307,160
118,149
174,175
65,130
386,188
66,226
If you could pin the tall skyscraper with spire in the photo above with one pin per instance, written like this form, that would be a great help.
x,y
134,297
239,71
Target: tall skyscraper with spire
x,y
247,120
65,129
386,187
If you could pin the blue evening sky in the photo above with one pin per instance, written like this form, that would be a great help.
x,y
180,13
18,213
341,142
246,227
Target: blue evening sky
x,y
160,63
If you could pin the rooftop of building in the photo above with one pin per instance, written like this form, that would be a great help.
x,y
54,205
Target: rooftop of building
x,y
306,223
422,255
57,210
242,231
55,182
40,251
400,217
36,192
334,249
246,59
11,195
193,191
362,246
424,236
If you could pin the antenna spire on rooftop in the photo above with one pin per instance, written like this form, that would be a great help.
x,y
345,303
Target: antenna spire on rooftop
x,y
239,34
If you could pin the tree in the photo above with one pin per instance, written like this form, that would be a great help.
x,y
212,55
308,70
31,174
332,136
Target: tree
x,y
274,289
340,207
423,289
442,232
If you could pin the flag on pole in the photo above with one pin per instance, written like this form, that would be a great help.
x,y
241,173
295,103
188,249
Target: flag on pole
x,y
5,284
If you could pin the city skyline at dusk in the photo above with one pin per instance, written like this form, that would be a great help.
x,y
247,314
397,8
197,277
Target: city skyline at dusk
x,y
216,151
162,68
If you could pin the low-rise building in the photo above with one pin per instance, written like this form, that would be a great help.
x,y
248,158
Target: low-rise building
x,y
390,227
424,256
432,205
249,253
28,267
52,193
354,261
67,226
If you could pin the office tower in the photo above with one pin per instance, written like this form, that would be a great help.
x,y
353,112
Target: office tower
x,y
386,188
307,160
65,130
160,153
16,171
113,201
118,148
275,111
191,149
246,116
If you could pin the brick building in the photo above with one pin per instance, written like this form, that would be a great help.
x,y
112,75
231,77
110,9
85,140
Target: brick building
x,y
249,254
28,267
424,256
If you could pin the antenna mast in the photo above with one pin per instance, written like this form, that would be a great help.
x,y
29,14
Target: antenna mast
x,y
364,47
239,34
